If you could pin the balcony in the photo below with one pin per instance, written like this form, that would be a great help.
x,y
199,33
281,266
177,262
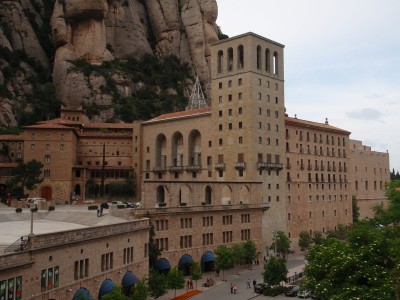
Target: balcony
x,y
160,169
269,166
240,165
220,166
193,168
175,168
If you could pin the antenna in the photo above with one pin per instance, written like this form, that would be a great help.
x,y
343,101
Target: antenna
x,y
197,97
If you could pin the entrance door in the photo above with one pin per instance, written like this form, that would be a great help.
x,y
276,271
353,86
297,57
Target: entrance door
x,y
46,193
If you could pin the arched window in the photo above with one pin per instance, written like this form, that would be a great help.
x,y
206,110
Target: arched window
x,y
208,196
177,149
160,194
259,57
230,59
195,148
161,152
226,198
244,195
267,60
220,61
184,195
276,63
77,189
240,57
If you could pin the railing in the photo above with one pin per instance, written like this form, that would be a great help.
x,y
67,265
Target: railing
x,y
175,168
240,165
193,168
220,166
203,207
21,244
269,166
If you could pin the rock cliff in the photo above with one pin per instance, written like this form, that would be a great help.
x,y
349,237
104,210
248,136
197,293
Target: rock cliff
x,y
50,37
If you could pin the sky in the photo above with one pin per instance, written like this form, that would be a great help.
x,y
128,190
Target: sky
x,y
342,61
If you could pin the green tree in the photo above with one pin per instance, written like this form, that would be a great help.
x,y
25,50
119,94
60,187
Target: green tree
x,y
116,294
317,237
356,209
175,279
157,284
283,243
238,253
304,240
195,271
154,251
249,251
275,271
140,291
25,176
225,258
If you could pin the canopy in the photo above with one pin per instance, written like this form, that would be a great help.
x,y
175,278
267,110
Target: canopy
x,y
185,259
162,264
129,279
106,287
208,256
82,293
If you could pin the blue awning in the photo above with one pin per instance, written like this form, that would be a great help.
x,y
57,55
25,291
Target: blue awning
x,y
162,264
129,279
82,293
185,259
106,287
207,257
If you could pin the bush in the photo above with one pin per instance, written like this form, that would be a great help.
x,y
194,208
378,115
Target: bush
x,y
18,210
93,207
52,207
274,291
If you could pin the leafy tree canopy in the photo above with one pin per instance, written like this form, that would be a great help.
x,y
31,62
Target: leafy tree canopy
x,y
249,251
225,258
275,271
25,175
175,279
157,284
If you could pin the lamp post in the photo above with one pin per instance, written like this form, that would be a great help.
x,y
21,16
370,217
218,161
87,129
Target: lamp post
x,y
33,209
275,240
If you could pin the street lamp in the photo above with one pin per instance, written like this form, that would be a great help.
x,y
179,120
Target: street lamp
x,y
33,209
275,240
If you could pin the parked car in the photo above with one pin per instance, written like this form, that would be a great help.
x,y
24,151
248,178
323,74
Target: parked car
x,y
259,288
292,290
304,294
119,204
129,204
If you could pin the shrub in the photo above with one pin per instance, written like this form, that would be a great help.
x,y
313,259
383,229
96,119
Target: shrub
x,y
52,207
273,291
18,210
93,207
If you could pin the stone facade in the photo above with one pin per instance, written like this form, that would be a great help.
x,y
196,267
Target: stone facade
x,y
56,265
369,174
240,164
317,167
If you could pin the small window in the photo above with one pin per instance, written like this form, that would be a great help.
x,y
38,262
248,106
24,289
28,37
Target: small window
x,y
240,110
230,97
259,96
240,125
230,83
230,112
220,85
240,81
220,99
240,96
220,142
240,140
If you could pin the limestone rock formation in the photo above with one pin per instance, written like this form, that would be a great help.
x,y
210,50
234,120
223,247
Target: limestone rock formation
x,y
96,31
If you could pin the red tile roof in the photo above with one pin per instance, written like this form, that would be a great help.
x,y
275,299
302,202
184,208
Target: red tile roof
x,y
181,114
109,125
48,126
11,137
323,126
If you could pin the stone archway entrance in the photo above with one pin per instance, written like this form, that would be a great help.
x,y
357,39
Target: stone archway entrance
x,y
47,193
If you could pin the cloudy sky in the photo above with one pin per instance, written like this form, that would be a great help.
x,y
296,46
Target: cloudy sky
x,y
342,61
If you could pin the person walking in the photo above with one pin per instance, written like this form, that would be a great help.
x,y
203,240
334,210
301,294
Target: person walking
x,y
248,283
98,212
234,289
254,285
231,288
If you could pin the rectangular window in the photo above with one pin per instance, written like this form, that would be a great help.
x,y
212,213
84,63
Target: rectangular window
x,y
81,269
208,239
230,97
208,221
240,110
227,220
185,241
32,146
62,147
227,236
245,234
240,96
230,83
240,81
47,158
46,173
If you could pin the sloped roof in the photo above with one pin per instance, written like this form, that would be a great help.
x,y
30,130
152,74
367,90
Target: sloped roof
x,y
316,125
48,126
11,137
180,114
109,125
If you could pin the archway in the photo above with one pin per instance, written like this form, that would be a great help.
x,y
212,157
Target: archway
x,y
184,195
184,264
82,293
160,194
77,189
244,195
208,261
163,266
47,193
106,287
226,197
128,283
